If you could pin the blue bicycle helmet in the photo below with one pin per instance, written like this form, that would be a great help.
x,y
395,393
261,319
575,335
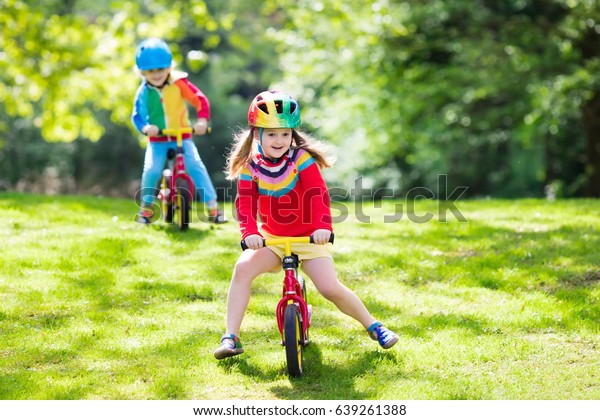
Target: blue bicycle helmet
x,y
153,53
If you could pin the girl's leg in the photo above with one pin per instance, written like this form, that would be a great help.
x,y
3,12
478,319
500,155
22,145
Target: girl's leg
x,y
248,266
322,272
323,275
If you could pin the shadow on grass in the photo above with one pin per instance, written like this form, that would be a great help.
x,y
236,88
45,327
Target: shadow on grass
x,y
322,381
319,381
196,232
559,261
424,326
485,248
35,378
240,363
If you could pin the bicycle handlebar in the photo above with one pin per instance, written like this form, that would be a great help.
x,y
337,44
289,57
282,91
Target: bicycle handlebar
x,y
174,132
287,240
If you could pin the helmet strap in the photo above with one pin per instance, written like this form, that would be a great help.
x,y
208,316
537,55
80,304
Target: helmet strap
x,y
260,133
260,150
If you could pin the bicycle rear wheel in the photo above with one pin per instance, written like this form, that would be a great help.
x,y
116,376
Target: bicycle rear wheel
x,y
292,331
305,297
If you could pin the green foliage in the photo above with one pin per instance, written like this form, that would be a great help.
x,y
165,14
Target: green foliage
x,y
504,306
471,89
60,67
503,97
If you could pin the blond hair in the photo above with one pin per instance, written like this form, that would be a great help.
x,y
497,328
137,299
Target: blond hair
x,y
244,150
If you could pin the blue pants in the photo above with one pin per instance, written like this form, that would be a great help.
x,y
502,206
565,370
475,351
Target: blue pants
x,y
154,163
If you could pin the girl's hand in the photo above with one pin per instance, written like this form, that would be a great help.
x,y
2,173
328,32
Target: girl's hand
x,y
201,126
321,236
254,241
150,130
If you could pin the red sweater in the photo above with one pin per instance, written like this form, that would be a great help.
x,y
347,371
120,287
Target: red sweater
x,y
290,197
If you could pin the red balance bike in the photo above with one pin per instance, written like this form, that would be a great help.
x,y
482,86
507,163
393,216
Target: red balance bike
x,y
176,188
293,312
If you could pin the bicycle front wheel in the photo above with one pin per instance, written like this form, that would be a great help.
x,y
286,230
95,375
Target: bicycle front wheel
x,y
292,329
165,201
167,211
182,205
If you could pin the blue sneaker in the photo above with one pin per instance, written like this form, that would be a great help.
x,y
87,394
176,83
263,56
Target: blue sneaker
x,y
386,338
230,346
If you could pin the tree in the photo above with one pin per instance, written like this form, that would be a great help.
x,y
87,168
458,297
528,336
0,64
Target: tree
x,y
66,73
495,94
60,67
578,88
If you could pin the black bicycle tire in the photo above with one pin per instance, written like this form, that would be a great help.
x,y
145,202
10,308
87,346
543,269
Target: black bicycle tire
x,y
292,330
168,213
167,207
303,287
182,202
302,282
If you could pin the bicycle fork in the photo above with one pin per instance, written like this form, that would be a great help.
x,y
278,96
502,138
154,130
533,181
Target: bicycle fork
x,y
166,186
292,295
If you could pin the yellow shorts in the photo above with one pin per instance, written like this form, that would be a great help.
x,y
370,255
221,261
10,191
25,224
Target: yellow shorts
x,y
304,251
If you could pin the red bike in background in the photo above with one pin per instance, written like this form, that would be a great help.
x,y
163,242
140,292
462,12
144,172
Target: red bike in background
x,y
176,188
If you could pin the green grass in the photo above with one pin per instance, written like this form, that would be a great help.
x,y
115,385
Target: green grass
x,y
504,306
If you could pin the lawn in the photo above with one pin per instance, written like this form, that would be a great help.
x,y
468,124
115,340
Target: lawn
x,y
502,302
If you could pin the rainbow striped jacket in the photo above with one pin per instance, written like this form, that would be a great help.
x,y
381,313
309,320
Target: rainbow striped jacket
x,y
166,107
289,197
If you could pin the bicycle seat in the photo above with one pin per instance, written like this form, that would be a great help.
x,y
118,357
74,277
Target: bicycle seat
x,y
171,153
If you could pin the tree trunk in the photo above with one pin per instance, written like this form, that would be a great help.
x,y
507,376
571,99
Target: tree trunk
x,y
590,49
591,128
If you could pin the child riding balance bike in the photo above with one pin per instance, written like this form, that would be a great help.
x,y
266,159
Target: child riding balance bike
x,y
161,103
279,180
293,311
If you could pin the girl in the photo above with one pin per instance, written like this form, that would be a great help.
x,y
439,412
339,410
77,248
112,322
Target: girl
x,y
280,181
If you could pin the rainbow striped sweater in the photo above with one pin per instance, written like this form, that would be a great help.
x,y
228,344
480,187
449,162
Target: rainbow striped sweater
x,y
166,107
289,197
